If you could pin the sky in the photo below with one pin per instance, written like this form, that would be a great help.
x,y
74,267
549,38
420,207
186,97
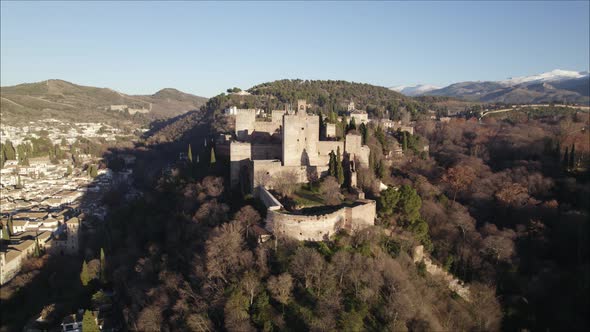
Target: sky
x,y
206,47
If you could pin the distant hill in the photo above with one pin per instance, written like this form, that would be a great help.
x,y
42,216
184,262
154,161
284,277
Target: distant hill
x,y
61,99
557,85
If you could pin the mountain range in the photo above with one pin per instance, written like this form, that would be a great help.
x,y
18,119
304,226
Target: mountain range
x,y
557,85
62,99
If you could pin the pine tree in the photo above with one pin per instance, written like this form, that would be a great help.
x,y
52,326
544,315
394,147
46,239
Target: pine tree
x,y
566,159
190,154
571,161
212,162
89,323
339,169
85,274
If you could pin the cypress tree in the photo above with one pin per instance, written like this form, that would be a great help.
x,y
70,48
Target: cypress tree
x,y
566,159
89,323
190,154
212,156
332,164
405,142
85,274
380,169
352,124
37,251
9,226
339,169
364,133
572,157
5,233
103,276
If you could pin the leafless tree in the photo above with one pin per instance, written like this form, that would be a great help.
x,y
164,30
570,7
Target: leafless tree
x,y
330,190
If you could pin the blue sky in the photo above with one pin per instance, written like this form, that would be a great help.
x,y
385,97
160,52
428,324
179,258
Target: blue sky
x,y
205,47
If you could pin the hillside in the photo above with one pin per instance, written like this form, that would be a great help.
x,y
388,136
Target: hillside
x,y
65,100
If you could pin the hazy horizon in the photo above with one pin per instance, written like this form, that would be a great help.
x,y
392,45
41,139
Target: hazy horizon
x,y
205,48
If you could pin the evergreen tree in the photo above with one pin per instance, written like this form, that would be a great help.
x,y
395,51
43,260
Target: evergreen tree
x,y
352,125
405,142
89,323
212,160
571,161
9,226
380,169
190,154
5,233
85,274
339,168
37,250
103,275
364,133
566,159
332,164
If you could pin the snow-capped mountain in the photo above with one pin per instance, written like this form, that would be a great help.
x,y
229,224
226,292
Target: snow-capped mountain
x,y
553,86
556,75
415,90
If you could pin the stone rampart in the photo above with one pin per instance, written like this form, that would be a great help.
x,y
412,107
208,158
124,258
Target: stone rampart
x,y
321,226
453,283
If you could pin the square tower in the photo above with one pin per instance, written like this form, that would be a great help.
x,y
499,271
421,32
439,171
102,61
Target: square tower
x,y
300,139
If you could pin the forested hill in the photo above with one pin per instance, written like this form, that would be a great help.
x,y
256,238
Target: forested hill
x,y
322,96
327,94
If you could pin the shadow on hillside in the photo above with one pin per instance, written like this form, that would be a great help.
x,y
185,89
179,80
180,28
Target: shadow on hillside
x,y
136,172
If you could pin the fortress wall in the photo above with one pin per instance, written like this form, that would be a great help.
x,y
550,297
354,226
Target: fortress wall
x,y
268,199
363,215
435,270
321,227
363,156
240,156
305,228
267,171
245,120
277,116
266,127
324,149
330,130
265,151
353,144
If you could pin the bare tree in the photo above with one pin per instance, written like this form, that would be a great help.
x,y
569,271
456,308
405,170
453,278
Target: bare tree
x,y
285,182
248,217
330,190
459,178
280,287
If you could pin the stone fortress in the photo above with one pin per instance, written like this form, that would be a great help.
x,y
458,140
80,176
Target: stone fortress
x,y
289,146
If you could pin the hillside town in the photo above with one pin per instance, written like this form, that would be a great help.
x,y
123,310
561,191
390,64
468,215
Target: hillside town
x,y
52,183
